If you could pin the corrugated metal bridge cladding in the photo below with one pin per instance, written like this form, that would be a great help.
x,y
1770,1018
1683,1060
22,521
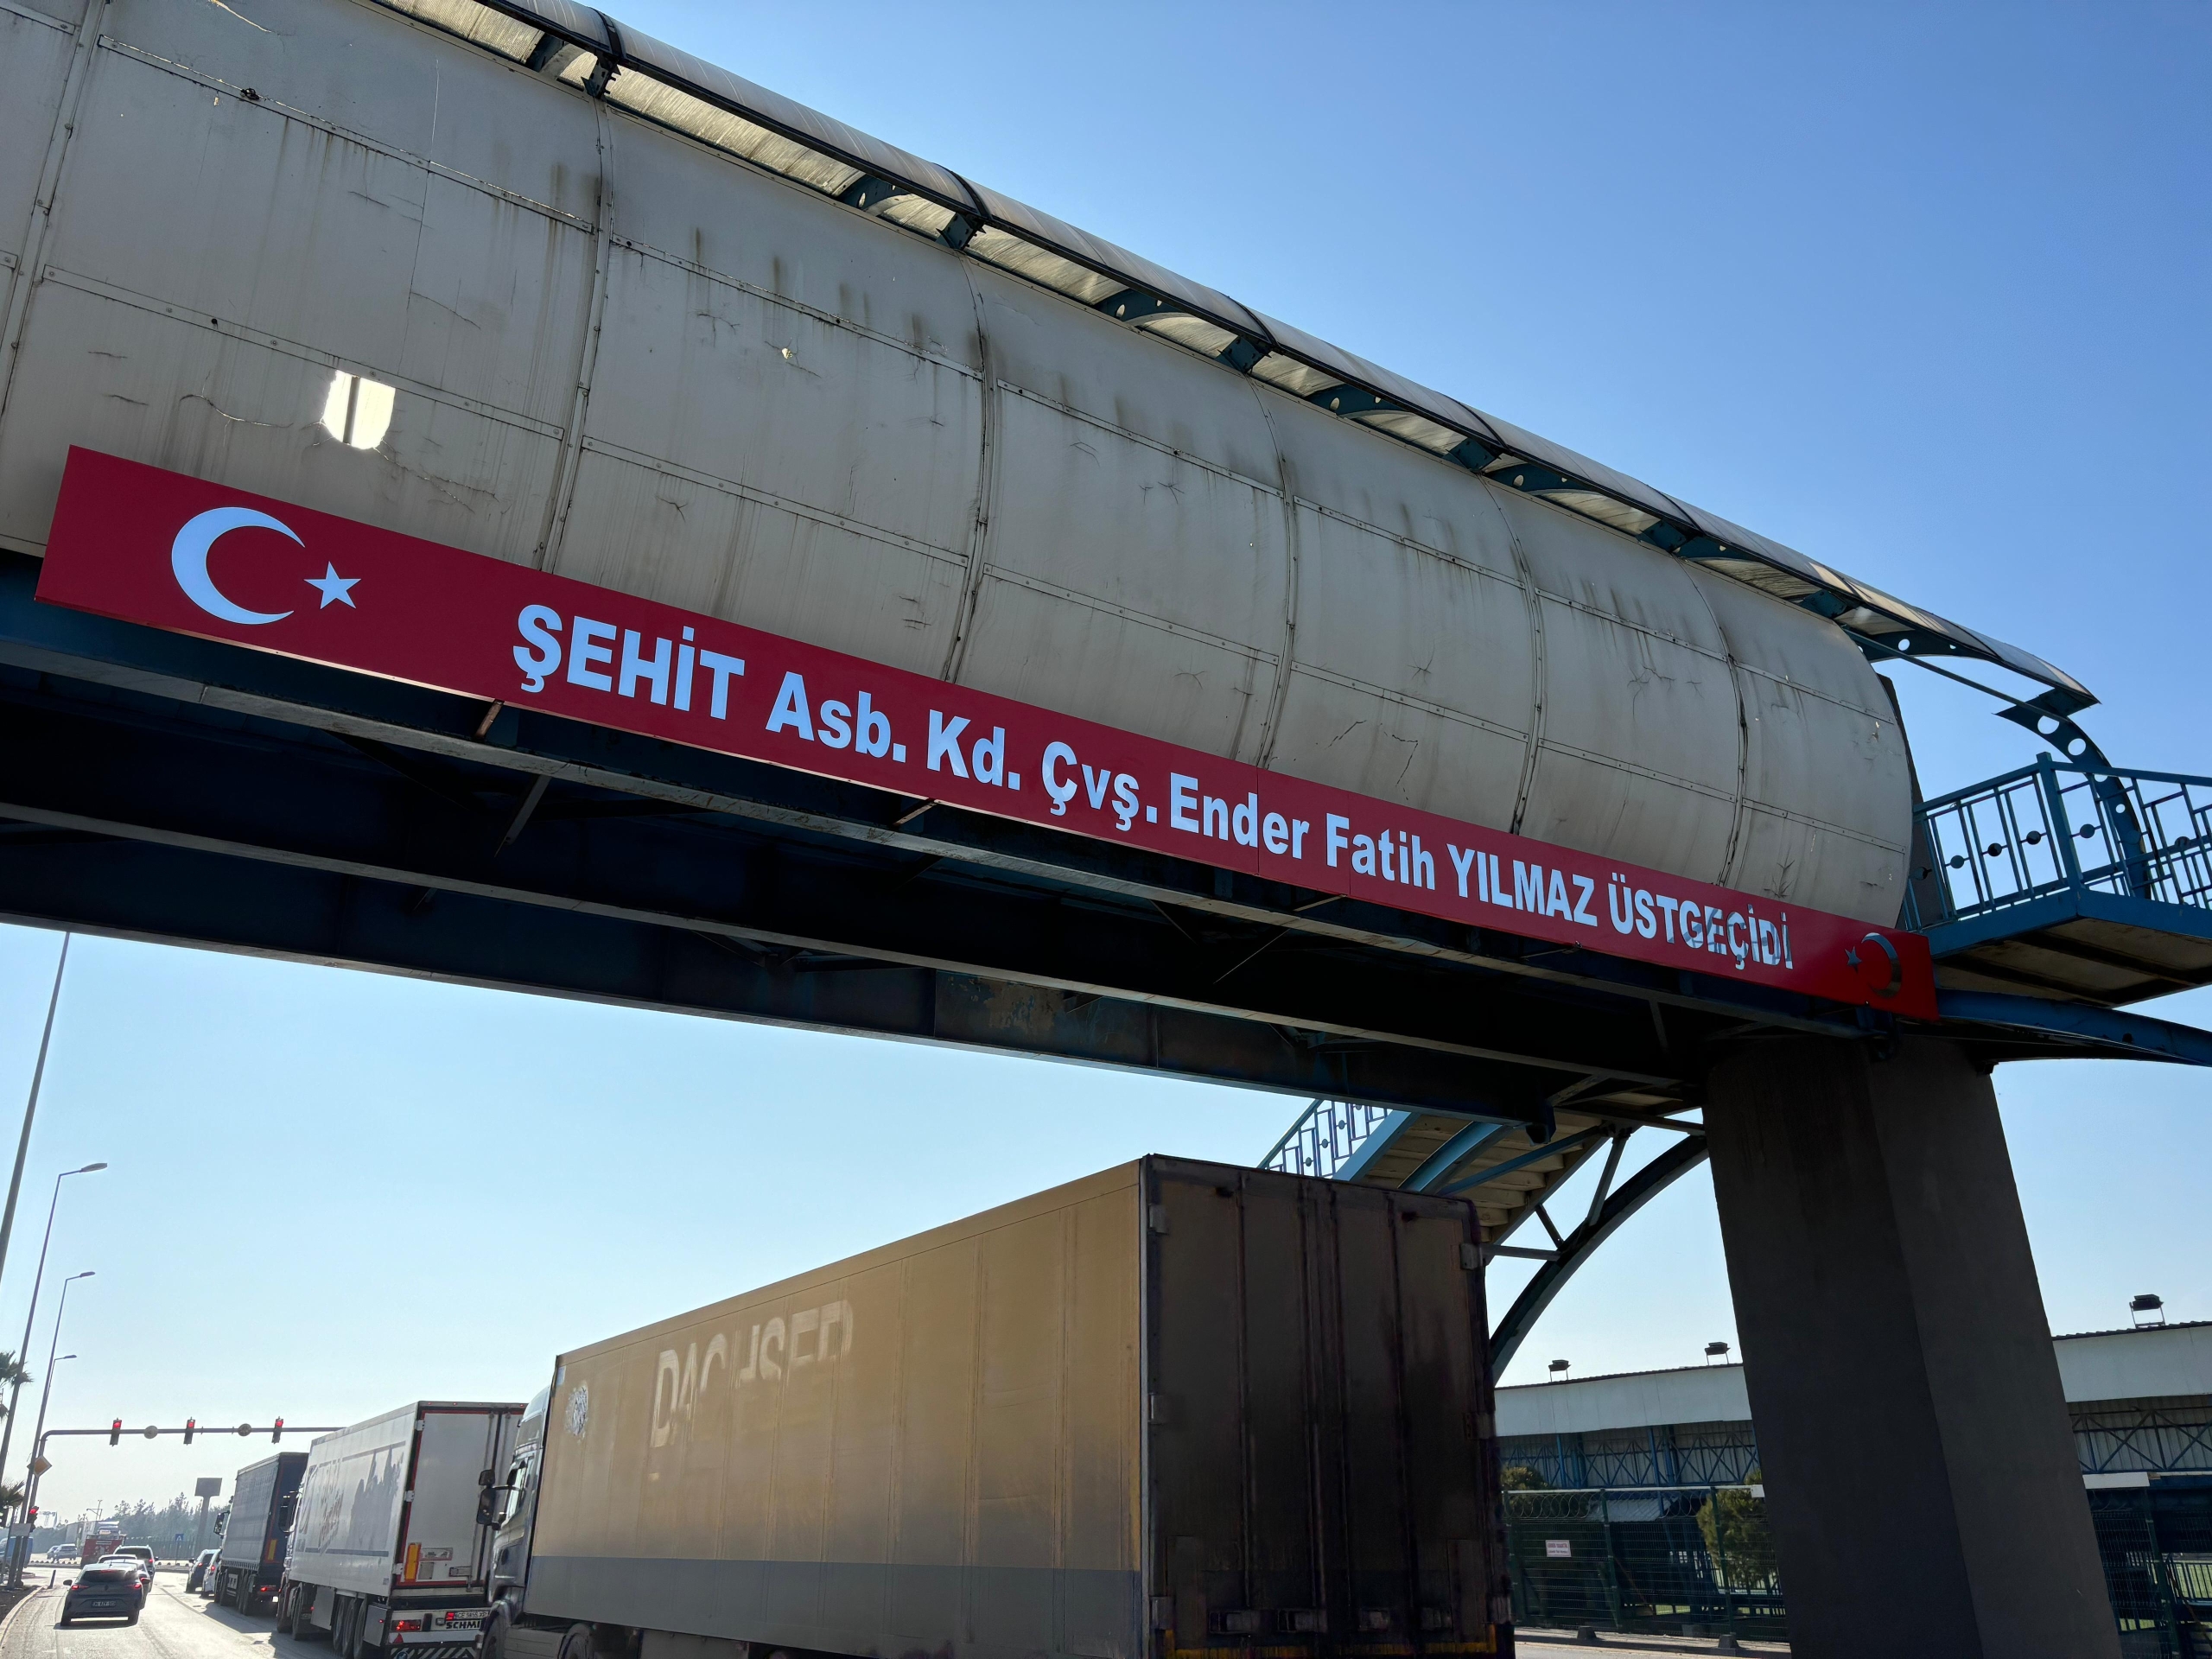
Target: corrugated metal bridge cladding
x,y
622,355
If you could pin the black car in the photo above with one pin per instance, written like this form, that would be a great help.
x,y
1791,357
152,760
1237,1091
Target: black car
x,y
103,1593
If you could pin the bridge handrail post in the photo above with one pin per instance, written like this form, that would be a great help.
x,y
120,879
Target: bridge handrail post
x,y
2054,800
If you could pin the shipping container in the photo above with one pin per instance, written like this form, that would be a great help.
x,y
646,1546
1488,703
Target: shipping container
x,y
1172,1409
390,1550
262,1500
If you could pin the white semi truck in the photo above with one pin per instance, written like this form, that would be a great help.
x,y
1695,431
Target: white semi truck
x,y
388,1549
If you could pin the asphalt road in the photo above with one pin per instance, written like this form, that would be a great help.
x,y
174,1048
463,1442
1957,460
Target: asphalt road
x,y
173,1625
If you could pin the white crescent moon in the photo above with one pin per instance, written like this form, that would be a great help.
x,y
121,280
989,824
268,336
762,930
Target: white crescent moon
x,y
188,560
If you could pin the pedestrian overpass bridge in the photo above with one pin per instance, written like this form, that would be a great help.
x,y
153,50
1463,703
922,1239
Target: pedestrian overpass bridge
x,y
2051,896
580,309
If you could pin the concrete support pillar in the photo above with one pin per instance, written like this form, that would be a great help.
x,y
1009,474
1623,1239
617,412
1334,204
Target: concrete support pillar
x,y
1920,1475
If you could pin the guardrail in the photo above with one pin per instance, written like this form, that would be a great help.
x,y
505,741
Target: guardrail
x,y
2057,825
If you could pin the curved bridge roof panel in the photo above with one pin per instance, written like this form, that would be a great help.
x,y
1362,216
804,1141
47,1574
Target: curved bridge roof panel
x,y
857,168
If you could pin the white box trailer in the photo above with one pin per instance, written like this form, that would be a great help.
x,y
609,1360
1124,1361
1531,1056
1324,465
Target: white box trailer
x,y
388,1549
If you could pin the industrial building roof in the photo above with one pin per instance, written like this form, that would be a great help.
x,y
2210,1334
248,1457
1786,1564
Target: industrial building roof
x,y
749,122
2148,1361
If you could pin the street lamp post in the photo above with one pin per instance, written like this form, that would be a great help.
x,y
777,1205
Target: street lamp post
x,y
14,1396
19,1550
30,1485
30,1108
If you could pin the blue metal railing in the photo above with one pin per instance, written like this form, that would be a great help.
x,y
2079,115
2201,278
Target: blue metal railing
x,y
1325,1137
2057,825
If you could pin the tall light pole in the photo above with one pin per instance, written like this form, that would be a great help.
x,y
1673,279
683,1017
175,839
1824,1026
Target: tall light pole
x,y
19,1552
15,1395
30,1108
30,1485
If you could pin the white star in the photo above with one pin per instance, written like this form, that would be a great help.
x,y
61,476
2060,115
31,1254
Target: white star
x,y
334,587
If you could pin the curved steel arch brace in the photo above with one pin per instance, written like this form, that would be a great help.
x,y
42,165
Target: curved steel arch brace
x,y
1637,1191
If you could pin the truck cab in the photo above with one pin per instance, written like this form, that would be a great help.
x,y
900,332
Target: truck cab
x,y
511,1507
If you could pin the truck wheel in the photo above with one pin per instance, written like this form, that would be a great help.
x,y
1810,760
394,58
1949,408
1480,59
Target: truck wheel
x,y
576,1644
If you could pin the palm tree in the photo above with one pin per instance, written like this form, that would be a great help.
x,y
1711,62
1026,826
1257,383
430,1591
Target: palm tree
x,y
12,1378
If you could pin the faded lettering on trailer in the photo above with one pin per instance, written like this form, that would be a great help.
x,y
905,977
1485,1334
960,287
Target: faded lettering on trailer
x,y
813,1336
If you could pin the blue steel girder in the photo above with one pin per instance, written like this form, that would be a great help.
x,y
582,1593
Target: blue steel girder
x,y
2121,1035
869,194
1576,1247
1448,1157
165,787
1133,305
1598,1009
1380,1140
1563,1147
1349,400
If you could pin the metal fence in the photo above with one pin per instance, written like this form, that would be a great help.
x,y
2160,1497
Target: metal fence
x,y
1700,1561
1323,1140
2056,825
1681,1560
2157,1545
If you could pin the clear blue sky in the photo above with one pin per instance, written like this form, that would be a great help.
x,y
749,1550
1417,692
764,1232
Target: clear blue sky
x,y
1920,291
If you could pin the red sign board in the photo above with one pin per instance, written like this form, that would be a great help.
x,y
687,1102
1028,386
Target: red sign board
x,y
143,545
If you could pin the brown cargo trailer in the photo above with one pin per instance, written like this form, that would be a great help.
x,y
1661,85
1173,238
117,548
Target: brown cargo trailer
x,y
1172,1409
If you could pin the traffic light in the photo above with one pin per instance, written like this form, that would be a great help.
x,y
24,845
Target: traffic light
x,y
190,1424
277,1433
115,1432
32,1515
